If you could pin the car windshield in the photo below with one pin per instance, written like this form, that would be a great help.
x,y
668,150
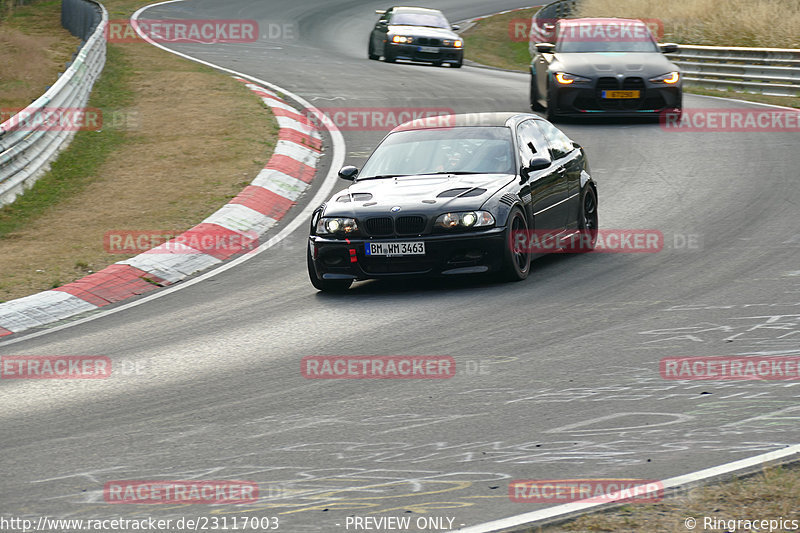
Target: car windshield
x,y
479,150
611,36
434,20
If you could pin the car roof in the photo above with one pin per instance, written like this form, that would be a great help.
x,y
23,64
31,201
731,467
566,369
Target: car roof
x,y
465,119
598,21
415,9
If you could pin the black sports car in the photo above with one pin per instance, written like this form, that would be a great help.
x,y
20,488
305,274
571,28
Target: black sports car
x,y
447,195
609,66
416,34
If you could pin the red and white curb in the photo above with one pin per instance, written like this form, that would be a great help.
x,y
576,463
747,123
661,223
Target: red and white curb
x,y
256,209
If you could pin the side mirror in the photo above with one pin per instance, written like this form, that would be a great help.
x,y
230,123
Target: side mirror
x,y
545,48
380,11
669,48
455,27
537,162
549,26
348,173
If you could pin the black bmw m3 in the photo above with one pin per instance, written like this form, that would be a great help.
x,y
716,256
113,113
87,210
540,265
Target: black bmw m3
x,y
415,34
445,196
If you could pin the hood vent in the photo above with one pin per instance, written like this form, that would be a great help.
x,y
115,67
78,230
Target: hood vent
x,y
357,197
465,192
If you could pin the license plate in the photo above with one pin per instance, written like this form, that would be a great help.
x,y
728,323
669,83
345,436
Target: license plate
x,y
620,94
395,248
429,49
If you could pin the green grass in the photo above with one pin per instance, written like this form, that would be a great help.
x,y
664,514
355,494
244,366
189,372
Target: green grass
x,y
490,42
76,166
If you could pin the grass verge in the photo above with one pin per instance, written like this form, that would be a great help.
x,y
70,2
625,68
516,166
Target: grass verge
x,y
495,41
772,494
178,141
35,49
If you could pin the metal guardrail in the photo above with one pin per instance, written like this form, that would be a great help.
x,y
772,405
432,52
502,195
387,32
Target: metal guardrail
x,y
769,71
27,149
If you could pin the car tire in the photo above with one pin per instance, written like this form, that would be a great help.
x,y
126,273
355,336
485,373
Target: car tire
x,y
388,56
587,218
534,96
371,51
457,65
437,63
325,285
516,264
550,113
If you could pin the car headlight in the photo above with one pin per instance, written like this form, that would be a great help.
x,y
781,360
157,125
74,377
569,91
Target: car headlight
x,y
455,44
337,226
670,77
466,219
402,39
565,78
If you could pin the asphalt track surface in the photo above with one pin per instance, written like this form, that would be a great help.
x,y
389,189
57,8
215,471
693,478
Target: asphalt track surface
x,y
557,375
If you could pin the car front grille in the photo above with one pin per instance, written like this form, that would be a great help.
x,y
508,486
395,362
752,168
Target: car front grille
x,y
428,41
410,225
379,226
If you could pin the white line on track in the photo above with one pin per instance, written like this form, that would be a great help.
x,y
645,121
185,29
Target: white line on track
x,y
324,191
574,509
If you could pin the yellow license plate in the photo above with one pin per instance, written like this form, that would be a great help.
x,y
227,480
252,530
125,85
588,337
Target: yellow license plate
x,y
620,94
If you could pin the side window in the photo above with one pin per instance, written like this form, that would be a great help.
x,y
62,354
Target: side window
x,y
560,144
531,142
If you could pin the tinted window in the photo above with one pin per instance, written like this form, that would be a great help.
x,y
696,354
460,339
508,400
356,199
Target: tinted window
x,y
560,144
531,142
458,149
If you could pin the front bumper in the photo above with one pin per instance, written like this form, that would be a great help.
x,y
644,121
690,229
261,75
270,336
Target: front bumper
x,y
580,100
413,52
463,253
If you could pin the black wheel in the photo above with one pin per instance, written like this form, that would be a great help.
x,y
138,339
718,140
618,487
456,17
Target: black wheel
x,y
371,51
457,65
437,63
551,114
587,219
534,96
325,285
388,56
516,262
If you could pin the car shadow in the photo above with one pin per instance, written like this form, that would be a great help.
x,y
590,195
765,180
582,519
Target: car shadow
x,y
543,266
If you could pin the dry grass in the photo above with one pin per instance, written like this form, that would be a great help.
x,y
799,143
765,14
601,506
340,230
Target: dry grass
x,y
33,50
493,41
766,23
772,494
191,140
